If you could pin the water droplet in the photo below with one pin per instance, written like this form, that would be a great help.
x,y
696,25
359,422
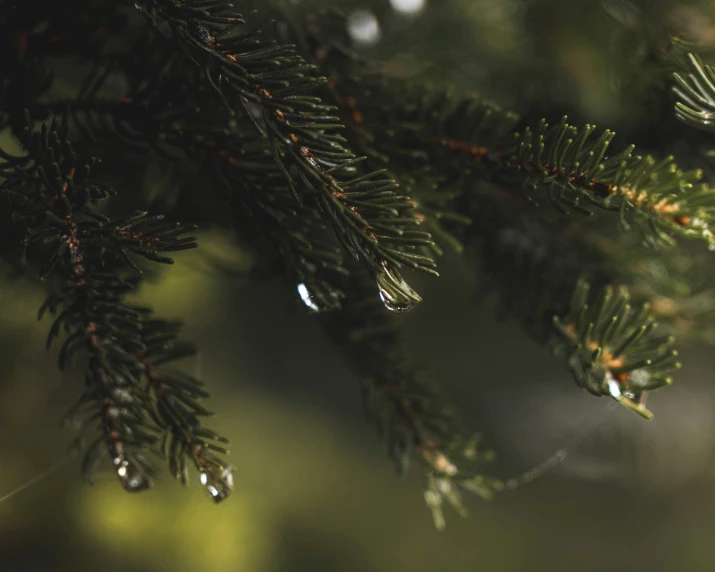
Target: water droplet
x,y
304,294
320,298
133,477
218,481
613,387
632,397
395,293
395,304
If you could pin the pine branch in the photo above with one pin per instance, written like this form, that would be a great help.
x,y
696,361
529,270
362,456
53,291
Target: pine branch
x,y
55,195
237,165
432,192
569,164
402,394
177,410
403,402
368,216
607,340
310,258
294,177
406,405
571,167
610,349
568,167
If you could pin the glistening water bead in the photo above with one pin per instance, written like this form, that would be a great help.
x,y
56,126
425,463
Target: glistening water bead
x,y
320,299
133,478
395,293
218,481
307,298
394,304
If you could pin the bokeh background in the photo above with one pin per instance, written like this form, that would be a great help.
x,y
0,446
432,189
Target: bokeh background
x,y
314,491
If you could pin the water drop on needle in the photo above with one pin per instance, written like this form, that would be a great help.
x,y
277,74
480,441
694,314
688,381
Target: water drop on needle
x,y
396,294
133,478
218,481
319,298
307,298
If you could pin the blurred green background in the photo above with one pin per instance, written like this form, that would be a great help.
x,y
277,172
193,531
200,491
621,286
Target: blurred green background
x,y
314,491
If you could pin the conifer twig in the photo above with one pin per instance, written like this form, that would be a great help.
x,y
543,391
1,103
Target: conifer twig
x,y
55,196
406,405
312,158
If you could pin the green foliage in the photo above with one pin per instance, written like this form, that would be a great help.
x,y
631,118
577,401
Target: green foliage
x,y
570,166
610,349
368,216
406,405
129,400
298,144
573,168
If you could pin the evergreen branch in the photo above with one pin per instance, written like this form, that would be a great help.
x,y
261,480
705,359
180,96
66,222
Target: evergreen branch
x,y
568,162
211,141
432,194
406,406
247,117
55,195
608,341
390,137
146,236
310,258
235,163
177,411
312,158
566,165
573,167
111,405
610,349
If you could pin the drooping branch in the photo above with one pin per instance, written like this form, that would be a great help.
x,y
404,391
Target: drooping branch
x,y
564,295
366,213
54,194
164,118
406,405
